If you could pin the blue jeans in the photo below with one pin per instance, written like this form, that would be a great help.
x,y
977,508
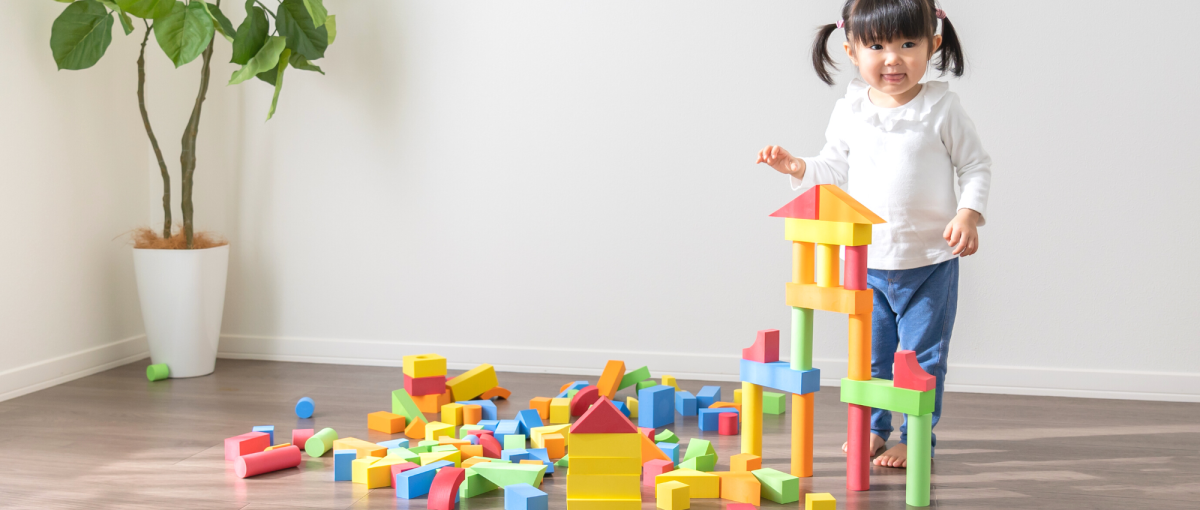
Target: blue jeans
x,y
914,311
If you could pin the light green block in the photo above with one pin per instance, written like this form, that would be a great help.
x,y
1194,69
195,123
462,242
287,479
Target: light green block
x,y
571,392
157,372
698,447
802,338
880,394
403,405
920,430
666,436
774,403
323,442
706,463
563,462
443,448
424,446
474,484
504,475
406,454
462,432
514,442
777,486
645,384
634,377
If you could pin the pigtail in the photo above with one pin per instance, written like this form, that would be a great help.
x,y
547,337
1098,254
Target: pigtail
x,y
950,55
820,53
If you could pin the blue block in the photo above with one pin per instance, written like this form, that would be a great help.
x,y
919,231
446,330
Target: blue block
x,y
415,483
543,455
507,427
577,385
709,419
488,424
269,429
685,403
515,455
305,408
707,395
672,451
395,443
343,471
523,496
622,407
778,375
656,406
489,408
528,419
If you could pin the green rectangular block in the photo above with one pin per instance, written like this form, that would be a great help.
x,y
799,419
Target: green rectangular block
x,y
778,486
645,384
443,448
880,394
774,403
634,377
403,405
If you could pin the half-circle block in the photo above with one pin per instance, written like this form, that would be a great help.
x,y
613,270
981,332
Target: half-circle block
x,y
499,392
806,206
909,375
837,205
765,348
603,418
611,378
491,447
443,493
583,399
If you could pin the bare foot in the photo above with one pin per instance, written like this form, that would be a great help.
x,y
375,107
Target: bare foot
x,y
877,444
896,456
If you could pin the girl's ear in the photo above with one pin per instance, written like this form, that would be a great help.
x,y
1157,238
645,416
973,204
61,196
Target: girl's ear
x,y
937,44
850,53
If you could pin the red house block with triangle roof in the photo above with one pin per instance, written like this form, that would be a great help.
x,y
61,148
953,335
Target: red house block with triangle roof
x,y
606,460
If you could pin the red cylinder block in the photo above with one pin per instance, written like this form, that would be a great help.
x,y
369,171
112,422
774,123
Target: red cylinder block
x,y
266,462
858,458
300,436
727,424
855,277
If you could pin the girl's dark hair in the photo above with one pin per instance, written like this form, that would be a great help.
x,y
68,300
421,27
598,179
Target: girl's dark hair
x,y
867,21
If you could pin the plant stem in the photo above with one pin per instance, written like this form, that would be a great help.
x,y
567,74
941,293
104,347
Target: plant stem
x,y
265,9
162,165
187,156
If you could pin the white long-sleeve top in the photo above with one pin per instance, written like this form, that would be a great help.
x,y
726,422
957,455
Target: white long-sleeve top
x,y
901,163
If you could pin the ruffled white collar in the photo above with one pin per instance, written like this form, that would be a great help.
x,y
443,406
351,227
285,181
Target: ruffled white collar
x,y
888,118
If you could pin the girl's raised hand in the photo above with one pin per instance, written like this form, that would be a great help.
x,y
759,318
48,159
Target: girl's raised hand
x,y
962,233
781,160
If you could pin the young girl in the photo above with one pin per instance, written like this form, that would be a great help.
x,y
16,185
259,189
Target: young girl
x,y
897,145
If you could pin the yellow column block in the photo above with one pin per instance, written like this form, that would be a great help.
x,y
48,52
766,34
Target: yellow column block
x,y
560,410
435,430
672,495
803,262
802,434
424,365
828,265
860,347
752,418
453,414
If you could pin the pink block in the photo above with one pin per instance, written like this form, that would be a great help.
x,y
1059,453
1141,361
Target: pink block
x,y
856,268
400,468
266,462
481,432
806,206
654,468
858,459
740,506
250,442
765,348
300,436
727,424
908,374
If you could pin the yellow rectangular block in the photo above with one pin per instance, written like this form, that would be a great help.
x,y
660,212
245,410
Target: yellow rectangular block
x,y
473,383
383,421
702,485
604,504
606,465
632,404
830,299
537,433
436,429
560,410
669,380
740,486
453,414
672,495
424,365
364,448
819,501
379,473
603,486
605,445
429,457
827,232
358,468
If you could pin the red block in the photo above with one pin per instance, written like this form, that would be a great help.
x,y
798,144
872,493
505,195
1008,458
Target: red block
x,y
443,494
583,399
603,418
491,447
908,374
482,432
654,468
400,468
856,268
806,206
417,386
300,436
266,462
250,442
740,506
648,432
727,424
765,348
858,458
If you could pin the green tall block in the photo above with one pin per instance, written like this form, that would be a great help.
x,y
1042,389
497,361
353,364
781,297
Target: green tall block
x,y
778,486
920,432
645,384
697,447
157,372
880,394
774,403
666,436
634,377
403,405
320,442
802,338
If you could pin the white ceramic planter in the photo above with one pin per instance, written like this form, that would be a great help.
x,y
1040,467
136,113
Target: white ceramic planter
x,y
183,298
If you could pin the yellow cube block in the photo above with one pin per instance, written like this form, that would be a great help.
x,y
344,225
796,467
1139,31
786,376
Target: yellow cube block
x,y
436,429
604,445
364,448
453,414
454,456
603,486
701,485
424,365
358,468
819,501
537,433
632,404
473,382
672,495
560,410
606,465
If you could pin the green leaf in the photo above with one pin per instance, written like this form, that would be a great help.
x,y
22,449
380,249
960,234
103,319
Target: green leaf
x,y
126,23
293,22
316,11
147,9
250,35
268,76
81,35
266,58
185,32
222,23
331,27
299,62
283,63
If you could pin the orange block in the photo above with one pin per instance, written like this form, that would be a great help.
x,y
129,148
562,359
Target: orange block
x,y
859,367
745,462
385,422
614,371
472,414
453,441
470,450
542,404
434,403
650,451
415,429
804,262
830,299
564,387
532,462
740,486
474,460
496,392
555,444
837,205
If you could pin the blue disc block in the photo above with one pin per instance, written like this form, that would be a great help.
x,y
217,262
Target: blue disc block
x,y
305,407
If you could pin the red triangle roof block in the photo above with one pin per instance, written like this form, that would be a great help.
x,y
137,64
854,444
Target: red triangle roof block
x,y
603,418
804,207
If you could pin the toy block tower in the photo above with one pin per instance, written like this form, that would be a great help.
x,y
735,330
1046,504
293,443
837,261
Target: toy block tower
x,y
606,461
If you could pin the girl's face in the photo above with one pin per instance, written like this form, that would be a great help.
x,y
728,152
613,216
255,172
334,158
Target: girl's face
x,y
893,67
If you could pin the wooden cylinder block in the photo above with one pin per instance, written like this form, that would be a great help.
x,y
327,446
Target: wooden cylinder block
x,y
828,262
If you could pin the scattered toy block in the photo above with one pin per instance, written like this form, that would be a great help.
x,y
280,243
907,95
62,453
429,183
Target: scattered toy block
x,y
672,495
671,450
432,403
584,399
556,445
774,403
452,441
319,443
496,392
830,299
472,414
300,437
504,475
415,483
737,396
707,396
423,446
400,468
245,444
666,436
488,407
611,378
621,407
726,405
827,232
727,424
780,376
644,384
491,447
404,405
705,463
452,414
607,466
420,386
269,430
564,462
424,365
475,432
697,447
656,406
542,405
468,451
806,206
507,428
383,421
273,447
342,460
560,410
740,506
650,450
603,418
566,389
745,462
632,404
880,394
376,472
473,382
634,377
741,486
543,455
909,375
474,484
394,443
602,486
685,403
358,469
305,407
475,460
415,429
765,348
514,441
837,205
819,501
669,380
605,445
778,486
523,496
435,430
528,419
537,434
157,372
709,419
364,448
489,425
702,485
431,457
266,461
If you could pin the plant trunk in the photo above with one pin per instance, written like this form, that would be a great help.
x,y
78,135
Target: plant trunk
x,y
162,165
187,156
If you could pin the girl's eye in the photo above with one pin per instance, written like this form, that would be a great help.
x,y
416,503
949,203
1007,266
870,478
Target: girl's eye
x,y
876,46
909,44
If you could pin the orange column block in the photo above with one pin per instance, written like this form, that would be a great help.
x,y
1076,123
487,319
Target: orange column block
x,y
803,262
828,265
472,414
860,347
802,434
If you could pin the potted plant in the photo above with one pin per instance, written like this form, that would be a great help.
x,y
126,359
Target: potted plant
x,y
181,274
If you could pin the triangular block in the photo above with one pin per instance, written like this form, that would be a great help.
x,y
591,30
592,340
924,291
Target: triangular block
x,y
908,374
804,207
603,418
837,205
651,451
765,348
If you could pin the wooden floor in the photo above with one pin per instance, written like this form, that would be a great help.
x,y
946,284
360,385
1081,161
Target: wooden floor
x,y
114,440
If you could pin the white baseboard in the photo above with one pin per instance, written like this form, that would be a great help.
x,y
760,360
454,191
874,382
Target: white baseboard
x,y
1174,387
29,378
